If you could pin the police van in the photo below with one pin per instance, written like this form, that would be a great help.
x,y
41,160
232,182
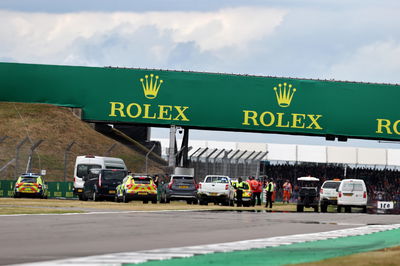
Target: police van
x,y
83,164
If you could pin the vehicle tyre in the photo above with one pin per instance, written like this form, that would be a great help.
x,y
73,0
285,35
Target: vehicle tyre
x,y
145,201
81,197
324,208
300,208
96,196
226,202
162,198
195,201
154,201
364,209
203,202
339,208
189,201
316,209
347,209
125,198
231,203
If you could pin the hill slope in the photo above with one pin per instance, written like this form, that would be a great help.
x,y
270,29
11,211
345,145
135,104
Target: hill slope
x,y
58,128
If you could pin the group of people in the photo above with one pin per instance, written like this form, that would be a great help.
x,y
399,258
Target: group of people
x,y
257,186
382,181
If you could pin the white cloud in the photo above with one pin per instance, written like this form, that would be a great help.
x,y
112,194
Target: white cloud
x,y
376,62
51,38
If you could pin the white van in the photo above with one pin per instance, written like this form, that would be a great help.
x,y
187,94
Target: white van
x,y
83,164
352,193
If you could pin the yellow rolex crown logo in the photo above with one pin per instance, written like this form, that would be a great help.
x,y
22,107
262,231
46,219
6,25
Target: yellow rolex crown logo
x,y
151,86
284,94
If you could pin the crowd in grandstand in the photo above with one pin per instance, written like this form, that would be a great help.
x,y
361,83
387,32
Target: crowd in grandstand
x,y
382,184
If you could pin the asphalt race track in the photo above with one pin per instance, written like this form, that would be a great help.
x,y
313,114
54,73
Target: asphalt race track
x,y
32,238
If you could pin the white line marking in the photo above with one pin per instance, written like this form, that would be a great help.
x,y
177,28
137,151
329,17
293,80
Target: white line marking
x,y
92,212
185,252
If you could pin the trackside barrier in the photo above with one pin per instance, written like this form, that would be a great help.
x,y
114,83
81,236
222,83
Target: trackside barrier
x,y
56,189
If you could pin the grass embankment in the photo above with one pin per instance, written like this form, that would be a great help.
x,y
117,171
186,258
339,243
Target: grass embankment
x,y
387,256
131,206
58,127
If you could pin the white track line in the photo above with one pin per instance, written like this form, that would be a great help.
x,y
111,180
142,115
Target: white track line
x,y
185,252
91,213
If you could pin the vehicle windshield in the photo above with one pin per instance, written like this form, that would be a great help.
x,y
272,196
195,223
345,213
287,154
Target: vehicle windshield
x,y
83,169
28,180
217,179
142,180
113,175
183,179
352,187
333,185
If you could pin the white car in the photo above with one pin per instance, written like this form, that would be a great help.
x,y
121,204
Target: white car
x,y
217,189
328,194
352,193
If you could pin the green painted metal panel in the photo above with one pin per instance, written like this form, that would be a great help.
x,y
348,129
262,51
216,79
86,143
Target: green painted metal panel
x,y
56,189
206,100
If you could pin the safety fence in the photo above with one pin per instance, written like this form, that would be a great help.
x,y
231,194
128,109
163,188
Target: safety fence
x,y
18,156
56,189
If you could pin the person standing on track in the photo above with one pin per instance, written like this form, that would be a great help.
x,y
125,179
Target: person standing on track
x,y
269,189
287,191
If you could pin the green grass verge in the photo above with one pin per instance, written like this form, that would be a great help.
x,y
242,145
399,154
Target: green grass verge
x,y
27,210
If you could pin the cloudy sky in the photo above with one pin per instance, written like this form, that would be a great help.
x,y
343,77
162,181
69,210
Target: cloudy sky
x,y
342,40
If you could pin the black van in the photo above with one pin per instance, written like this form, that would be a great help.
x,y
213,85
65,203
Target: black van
x,y
102,183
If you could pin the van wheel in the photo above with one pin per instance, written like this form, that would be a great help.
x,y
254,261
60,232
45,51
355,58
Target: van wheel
x,y
300,208
324,208
347,209
95,196
145,201
154,201
339,208
364,209
316,209
189,201
80,196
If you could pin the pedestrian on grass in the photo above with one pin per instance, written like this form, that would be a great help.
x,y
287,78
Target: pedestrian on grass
x,y
269,190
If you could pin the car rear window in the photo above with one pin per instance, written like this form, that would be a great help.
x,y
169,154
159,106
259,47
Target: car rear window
x,y
141,180
217,179
28,180
83,169
352,186
114,175
183,179
333,185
